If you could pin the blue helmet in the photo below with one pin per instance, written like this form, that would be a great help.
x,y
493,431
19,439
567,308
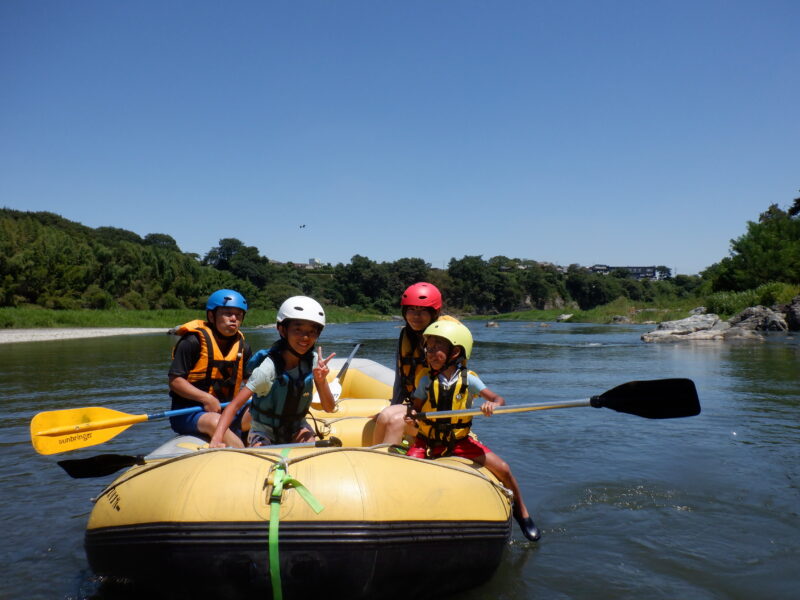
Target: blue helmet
x,y
226,298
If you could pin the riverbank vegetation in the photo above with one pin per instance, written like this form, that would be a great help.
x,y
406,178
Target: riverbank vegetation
x,y
55,272
37,317
768,294
621,310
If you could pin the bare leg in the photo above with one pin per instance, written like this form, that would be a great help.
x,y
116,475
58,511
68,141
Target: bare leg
x,y
207,424
502,471
390,425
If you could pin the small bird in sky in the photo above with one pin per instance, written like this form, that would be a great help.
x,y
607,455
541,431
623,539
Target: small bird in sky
x,y
302,226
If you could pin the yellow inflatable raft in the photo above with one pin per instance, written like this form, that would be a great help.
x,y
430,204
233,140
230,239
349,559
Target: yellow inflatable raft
x,y
348,522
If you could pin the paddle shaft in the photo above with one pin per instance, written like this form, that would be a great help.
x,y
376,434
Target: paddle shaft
x,y
651,399
467,412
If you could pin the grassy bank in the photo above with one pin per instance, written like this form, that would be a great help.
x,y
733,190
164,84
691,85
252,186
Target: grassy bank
x,y
724,304
634,312
34,318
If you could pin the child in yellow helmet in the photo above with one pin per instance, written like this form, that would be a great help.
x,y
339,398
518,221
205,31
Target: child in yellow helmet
x,y
450,386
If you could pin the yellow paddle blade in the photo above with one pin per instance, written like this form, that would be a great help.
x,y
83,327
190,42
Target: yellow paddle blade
x,y
65,430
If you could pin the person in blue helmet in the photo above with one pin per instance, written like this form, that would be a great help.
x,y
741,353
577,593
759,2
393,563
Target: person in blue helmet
x,y
208,367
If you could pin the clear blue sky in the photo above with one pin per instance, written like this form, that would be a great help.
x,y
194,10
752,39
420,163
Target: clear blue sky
x,y
616,132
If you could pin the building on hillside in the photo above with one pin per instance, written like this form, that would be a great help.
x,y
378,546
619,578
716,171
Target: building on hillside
x,y
559,269
313,263
636,272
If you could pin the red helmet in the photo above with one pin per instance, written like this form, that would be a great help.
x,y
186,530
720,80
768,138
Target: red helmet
x,y
422,294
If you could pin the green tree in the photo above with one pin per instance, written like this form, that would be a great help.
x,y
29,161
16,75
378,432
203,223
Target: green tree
x,y
590,290
474,284
275,293
161,240
52,262
768,252
220,256
794,210
542,284
620,273
363,284
663,272
115,235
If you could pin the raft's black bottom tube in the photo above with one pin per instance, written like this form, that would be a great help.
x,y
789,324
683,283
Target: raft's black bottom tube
x,y
340,560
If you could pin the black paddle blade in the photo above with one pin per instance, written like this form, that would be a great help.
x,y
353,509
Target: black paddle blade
x,y
331,442
98,466
653,399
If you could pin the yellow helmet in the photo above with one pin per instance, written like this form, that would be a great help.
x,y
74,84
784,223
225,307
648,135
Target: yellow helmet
x,y
454,332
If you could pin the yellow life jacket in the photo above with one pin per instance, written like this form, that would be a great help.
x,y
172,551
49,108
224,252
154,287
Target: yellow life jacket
x,y
214,372
411,363
438,432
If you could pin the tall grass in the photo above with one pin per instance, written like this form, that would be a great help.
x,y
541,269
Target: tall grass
x,y
634,312
727,304
637,312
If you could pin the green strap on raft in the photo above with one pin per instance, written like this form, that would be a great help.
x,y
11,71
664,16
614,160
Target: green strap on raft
x,y
282,480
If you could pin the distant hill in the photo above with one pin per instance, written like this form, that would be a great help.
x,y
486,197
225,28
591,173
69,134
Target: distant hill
x,y
50,261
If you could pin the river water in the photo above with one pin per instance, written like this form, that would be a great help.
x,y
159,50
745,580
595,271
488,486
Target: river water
x,y
701,507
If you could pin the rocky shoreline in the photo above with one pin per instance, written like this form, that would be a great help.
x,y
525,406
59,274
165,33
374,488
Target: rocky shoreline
x,y
750,324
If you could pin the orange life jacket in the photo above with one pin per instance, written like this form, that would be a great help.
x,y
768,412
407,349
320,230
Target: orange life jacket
x,y
214,372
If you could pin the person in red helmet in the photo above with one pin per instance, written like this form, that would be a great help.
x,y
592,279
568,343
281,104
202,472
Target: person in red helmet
x,y
421,304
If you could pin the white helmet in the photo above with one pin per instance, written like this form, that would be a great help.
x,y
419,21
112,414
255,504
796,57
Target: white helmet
x,y
301,307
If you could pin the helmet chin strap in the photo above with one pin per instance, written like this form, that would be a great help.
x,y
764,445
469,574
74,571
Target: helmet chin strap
x,y
458,361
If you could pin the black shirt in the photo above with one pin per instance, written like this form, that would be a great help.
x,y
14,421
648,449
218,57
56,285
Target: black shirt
x,y
187,353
